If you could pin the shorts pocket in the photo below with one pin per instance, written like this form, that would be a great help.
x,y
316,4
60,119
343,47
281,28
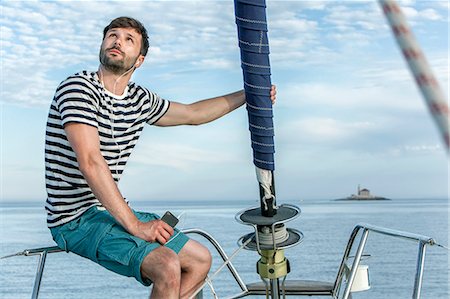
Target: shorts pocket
x,y
64,234
60,241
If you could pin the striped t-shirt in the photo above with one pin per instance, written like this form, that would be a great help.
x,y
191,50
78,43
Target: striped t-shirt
x,y
81,98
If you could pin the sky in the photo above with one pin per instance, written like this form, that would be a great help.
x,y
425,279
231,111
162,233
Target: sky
x,y
347,111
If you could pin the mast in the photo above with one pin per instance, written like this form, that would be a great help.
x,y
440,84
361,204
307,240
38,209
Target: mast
x,y
270,236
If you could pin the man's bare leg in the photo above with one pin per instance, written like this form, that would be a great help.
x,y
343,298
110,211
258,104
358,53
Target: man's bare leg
x,y
162,266
195,261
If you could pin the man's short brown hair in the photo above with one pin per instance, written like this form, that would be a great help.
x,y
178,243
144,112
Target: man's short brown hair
x,y
127,22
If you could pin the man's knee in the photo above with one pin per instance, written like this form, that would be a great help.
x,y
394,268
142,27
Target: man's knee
x,y
205,258
195,257
162,266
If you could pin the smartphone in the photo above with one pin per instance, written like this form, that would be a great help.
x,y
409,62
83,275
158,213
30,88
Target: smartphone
x,y
170,219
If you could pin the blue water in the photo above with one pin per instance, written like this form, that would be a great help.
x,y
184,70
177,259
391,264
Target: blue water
x,y
326,225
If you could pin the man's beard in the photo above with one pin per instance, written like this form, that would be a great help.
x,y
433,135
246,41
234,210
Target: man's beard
x,y
117,67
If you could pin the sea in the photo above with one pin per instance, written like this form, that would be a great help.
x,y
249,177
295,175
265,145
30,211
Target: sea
x,y
326,225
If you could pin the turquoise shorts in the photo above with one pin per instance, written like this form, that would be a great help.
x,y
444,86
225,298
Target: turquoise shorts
x,y
97,236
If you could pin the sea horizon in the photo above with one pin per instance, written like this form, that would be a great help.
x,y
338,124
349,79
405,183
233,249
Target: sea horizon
x,y
232,201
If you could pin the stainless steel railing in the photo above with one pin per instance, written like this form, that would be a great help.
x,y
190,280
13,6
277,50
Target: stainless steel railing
x,y
42,252
362,228
366,228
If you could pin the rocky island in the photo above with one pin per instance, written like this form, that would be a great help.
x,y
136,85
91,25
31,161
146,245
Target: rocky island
x,y
363,194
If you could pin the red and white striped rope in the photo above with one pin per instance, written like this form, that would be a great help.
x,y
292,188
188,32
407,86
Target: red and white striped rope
x,y
419,67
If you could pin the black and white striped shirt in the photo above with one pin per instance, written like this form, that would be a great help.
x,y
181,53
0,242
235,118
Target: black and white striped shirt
x,y
81,98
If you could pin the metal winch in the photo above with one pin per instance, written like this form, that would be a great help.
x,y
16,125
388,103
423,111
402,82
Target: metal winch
x,y
269,239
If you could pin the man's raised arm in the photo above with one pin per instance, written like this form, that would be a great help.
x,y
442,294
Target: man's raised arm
x,y
201,112
204,111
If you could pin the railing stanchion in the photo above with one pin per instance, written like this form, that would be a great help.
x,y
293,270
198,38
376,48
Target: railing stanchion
x,y
356,261
39,273
419,270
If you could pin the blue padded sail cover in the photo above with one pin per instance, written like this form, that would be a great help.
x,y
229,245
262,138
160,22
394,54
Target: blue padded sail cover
x,y
254,45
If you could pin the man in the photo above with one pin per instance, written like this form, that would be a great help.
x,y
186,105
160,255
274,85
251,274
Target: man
x,y
94,123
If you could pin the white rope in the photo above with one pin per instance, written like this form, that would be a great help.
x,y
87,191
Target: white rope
x,y
262,144
259,127
209,279
260,40
250,21
256,65
213,291
262,161
259,108
258,87
266,237
253,44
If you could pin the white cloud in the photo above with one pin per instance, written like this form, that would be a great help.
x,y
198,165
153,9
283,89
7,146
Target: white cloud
x,y
344,90
407,2
413,14
49,32
216,63
329,130
6,33
355,38
290,23
410,12
441,4
289,33
430,14
30,40
357,98
38,91
356,16
182,157
50,36
26,16
314,5
424,148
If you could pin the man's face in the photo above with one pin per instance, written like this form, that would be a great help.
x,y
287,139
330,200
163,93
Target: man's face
x,y
120,49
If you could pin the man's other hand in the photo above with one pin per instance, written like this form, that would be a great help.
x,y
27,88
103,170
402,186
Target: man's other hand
x,y
273,94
